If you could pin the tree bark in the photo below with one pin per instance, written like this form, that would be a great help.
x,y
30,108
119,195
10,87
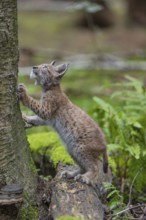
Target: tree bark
x,y
15,161
72,198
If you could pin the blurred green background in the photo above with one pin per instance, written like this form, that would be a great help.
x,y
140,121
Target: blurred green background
x,y
102,47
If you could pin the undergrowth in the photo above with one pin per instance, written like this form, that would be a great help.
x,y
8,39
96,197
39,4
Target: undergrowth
x,y
123,119
124,123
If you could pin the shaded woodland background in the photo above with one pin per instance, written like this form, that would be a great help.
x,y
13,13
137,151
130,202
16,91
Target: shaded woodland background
x,y
53,29
102,47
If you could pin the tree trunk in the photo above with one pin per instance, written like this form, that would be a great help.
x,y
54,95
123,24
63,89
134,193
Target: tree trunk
x,y
15,161
137,12
72,198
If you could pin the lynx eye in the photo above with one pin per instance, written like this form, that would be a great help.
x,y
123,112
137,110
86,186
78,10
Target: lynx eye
x,y
44,66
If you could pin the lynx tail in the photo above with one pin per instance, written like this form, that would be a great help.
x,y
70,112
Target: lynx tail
x,y
105,162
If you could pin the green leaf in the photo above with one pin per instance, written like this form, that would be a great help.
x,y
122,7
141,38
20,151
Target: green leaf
x,y
112,193
144,152
114,147
114,203
137,125
94,8
104,105
87,6
81,5
117,93
134,150
138,85
108,185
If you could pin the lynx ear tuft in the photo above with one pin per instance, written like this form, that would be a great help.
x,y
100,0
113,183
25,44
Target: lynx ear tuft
x,y
53,62
61,69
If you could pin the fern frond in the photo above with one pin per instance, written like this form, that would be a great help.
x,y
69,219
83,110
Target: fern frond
x,y
124,123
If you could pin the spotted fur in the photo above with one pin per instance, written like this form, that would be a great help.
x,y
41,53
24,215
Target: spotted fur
x,y
83,138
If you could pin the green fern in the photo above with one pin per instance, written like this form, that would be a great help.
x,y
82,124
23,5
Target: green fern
x,y
124,123
115,199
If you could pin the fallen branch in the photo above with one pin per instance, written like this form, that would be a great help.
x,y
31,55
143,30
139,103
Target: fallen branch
x,y
127,209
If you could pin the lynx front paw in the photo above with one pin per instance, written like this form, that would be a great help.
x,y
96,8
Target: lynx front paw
x,y
25,119
70,174
21,91
66,174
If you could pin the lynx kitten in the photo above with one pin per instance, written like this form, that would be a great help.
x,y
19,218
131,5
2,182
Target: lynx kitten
x,y
83,138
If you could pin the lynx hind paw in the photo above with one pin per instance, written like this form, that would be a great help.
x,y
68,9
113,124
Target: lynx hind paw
x,y
83,178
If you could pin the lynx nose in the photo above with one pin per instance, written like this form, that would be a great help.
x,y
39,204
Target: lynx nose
x,y
34,67
34,72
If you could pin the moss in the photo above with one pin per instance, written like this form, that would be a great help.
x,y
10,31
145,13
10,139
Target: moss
x,y
49,144
69,218
28,210
28,213
32,166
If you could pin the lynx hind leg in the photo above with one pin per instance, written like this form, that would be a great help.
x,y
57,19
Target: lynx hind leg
x,y
71,174
90,176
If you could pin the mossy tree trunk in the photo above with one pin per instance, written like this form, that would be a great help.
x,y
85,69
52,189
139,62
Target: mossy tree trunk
x,y
16,165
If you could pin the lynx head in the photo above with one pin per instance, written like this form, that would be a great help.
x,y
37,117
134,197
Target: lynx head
x,y
47,75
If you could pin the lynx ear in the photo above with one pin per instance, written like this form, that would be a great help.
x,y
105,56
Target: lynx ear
x,y
53,62
61,69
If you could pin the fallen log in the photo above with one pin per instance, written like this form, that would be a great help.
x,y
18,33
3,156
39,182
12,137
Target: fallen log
x,y
72,198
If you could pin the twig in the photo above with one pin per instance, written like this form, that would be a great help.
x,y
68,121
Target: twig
x,y
127,209
131,187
